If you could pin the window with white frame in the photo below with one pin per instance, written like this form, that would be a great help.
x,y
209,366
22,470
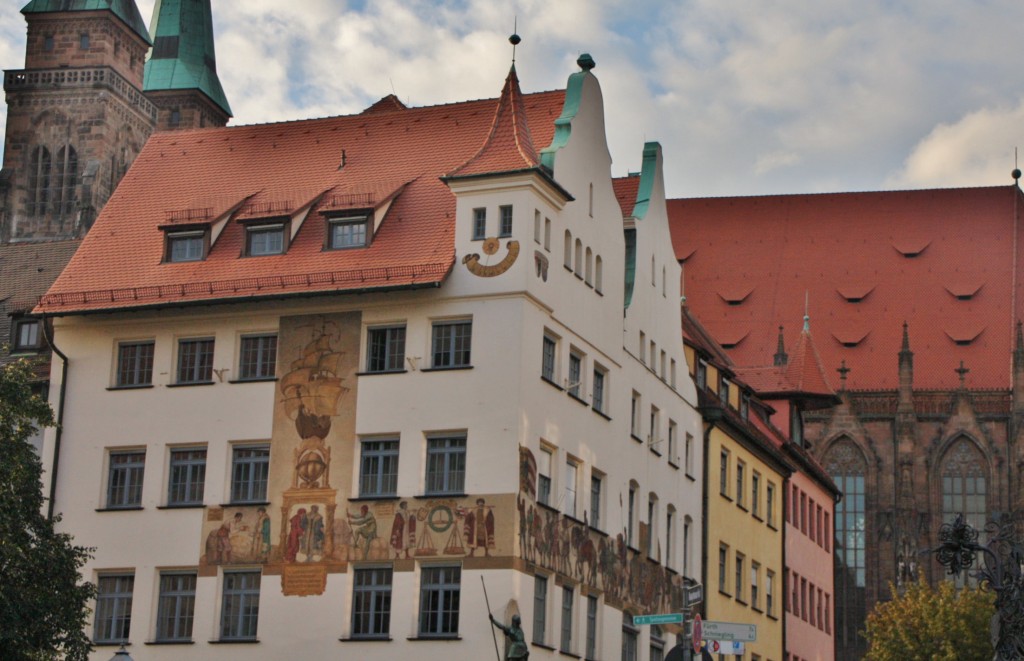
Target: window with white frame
x,y
250,469
240,605
176,606
263,240
544,476
741,475
186,476
723,568
505,220
755,494
371,602
479,224
385,348
740,567
195,360
575,373
257,357
571,476
112,617
596,487
348,232
446,465
769,594
634,418
540,608
755,570
439,601
186,246
378,468
124,479
451,343
27,335
654,435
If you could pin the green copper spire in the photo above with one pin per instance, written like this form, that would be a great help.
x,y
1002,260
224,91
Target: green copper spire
x,y
123,9
182,57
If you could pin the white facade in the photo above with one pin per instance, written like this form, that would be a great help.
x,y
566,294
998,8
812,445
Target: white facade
x,y
528,407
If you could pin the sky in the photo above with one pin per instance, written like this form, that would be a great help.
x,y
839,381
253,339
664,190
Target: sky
x,y
746,97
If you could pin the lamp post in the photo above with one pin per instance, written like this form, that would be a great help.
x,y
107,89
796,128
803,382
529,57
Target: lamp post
x,y
121,655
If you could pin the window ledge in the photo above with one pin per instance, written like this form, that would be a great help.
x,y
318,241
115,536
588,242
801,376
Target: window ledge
x,y
183,506
378,373
773,617
601,413
190,383
389,496
654,450
444,369
598,531
111,643
434,638
757,516
636,438
133,508
245,503
548,507
724,593
366,639
169,642
446,494
543,646
725,495
772,526
673,463
237,641
579,399
257,379
138,387
690,477
740,601
571,654
742,507
755,608
573,518
551,383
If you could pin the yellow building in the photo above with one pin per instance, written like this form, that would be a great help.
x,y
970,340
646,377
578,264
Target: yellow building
x,y
744,478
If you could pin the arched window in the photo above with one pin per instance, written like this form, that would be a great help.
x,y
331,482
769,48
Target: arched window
x,y
65,181
578,265
598,273
848,468
589,267
39,181
651,542
964,490
567,260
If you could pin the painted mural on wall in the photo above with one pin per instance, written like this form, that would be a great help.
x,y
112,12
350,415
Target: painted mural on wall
x,y
569,547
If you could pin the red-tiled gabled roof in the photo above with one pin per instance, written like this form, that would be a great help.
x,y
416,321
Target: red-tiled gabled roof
x,y
389,102
509,146
865,263
625,192
386,160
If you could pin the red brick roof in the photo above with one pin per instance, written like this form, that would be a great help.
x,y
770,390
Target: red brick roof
x,y
508,147
353,162
943,260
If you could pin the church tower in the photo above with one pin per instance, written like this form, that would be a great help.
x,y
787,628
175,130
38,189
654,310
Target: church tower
x,y
76,116
181,73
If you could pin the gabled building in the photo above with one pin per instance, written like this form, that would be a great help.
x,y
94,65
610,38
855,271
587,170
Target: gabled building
x,y
916,296
325,377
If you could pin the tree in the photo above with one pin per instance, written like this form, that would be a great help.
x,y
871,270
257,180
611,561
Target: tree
x,y
925,624
43,601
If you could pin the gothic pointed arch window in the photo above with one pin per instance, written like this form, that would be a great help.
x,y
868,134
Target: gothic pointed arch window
x,y
847,466
65,182
39,181
964,489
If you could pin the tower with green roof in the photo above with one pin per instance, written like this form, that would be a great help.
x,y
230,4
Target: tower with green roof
x,y
181,72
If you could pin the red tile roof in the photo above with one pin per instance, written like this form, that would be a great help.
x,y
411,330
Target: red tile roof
x,y
350,162
943,260
625,192
508,147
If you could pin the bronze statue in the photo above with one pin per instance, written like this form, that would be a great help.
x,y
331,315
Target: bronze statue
x,y
517,648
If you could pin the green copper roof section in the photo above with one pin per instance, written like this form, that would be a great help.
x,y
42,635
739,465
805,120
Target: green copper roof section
x,y
647,173
563,125
123,9
183,57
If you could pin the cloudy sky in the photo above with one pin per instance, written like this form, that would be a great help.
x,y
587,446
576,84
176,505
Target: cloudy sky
x,y
746,96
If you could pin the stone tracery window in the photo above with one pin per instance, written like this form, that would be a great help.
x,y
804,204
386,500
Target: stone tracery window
x,y
848,468
39,181
65,181
964,489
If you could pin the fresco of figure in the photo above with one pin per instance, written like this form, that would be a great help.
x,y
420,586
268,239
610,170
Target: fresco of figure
x,y
364,526
296,534
261,535
403,530
479,528
314,541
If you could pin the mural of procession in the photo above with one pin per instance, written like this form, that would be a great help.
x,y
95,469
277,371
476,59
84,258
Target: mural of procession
x,y
571,548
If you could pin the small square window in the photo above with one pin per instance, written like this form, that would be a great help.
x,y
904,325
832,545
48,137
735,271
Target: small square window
x,y
135,364
124,479
257,357
27,335
446,465
451,343
371,602
261,240
385,349
479,224
505,226
113,615
348,232
195,360
186,246
250,468
439,601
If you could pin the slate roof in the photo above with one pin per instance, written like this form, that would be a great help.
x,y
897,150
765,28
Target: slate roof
x,y
941,260
123,9
384,160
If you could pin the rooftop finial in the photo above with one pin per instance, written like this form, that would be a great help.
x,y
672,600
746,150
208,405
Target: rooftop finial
x,y
1016,171
586,62
515,38
807,316
781,357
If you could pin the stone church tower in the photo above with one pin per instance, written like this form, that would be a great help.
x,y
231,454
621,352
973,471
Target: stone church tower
x,y
87,100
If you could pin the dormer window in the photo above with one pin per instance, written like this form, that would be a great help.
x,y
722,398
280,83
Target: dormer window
x,y
264,239
347,232
186,246
27,335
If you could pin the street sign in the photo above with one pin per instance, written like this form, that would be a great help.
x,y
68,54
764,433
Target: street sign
x,y
663,618
697,634
694,595
727,647
730,631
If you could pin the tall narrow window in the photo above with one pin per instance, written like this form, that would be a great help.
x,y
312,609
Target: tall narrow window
x,y
741,469
723,473
755,569
673,442
687,524
847,467
567,251
113,615
634,423
577,266
549,352
540,608
598,274
547,234
629,637
571,475
575,374
630,514
591,651
595,501
769,592
565,640
505,221
964,491
240,605
769,504
755,494
176,606
739,576
723,567
657,644
371,602
589,268
652,517
670,530
65,181
597,396
536,226
39,178
544,477
479,224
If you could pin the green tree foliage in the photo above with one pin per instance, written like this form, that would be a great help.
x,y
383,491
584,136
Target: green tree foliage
x,y
925,624
43,602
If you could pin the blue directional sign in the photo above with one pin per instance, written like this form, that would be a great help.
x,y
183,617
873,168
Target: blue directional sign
x,y
663,618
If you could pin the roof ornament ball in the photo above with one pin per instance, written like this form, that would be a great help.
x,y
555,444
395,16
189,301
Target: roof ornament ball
x,y
1016,171
515,39
586,62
